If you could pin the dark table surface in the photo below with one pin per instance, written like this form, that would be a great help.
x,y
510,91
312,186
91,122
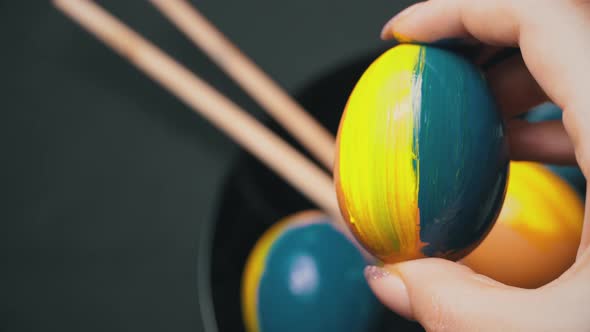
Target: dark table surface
x,y
107,180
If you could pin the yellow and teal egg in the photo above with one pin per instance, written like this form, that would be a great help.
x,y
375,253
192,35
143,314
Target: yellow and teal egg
x,y
422,156
303,275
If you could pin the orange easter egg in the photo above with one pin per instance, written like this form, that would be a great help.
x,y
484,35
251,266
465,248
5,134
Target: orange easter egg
x,y
536,236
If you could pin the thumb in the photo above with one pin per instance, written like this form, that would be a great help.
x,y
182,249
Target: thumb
x,y
445,296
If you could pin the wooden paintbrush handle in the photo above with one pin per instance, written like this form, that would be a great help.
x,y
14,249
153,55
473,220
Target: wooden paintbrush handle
x,y
315,138
206,101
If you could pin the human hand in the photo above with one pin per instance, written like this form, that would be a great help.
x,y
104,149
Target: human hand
x,y
554,38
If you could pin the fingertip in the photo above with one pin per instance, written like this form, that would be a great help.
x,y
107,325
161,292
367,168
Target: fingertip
x,y
388,31
390,289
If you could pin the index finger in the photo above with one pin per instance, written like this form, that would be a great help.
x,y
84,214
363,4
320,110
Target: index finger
x,y
552,36
554,39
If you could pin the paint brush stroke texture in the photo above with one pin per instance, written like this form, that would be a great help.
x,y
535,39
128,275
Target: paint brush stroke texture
x,y
422,161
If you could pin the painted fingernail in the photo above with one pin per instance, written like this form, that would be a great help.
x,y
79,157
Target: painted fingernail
x,y
390,289
375,272
387,32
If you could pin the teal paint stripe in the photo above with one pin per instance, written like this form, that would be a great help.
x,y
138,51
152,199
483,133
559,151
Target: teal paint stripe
x,y
463,156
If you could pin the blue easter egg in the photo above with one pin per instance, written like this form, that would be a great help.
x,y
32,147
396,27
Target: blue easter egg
x,y
303,275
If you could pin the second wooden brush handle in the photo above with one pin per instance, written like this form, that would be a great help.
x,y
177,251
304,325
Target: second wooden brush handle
x,y
288,113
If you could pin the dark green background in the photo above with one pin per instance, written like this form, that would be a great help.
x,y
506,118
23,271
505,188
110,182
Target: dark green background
x,y
108,183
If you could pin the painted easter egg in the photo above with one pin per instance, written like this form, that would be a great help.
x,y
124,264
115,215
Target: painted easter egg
x,y
422,156
303,275
537,234
572,174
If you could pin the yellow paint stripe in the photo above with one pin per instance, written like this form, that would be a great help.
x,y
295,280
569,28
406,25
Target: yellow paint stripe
x,y
378,182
